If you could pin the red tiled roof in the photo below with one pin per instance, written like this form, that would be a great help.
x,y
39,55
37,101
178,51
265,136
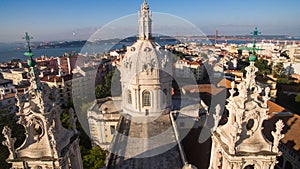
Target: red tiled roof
x,y
9,95
226,83
194,63
275,107
52,78
203,88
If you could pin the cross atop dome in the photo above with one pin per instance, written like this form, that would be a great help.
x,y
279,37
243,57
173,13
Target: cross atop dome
x,y
145,22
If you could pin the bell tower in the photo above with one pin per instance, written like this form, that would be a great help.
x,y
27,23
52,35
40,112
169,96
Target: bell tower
x,y
146,73
145,22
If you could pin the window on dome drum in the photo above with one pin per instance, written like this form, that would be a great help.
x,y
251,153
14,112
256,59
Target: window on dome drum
x,y
129,97
249,167
112,129
146,98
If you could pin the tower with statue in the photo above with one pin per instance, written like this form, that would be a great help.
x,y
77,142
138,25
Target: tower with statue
x,y
240,143
47,143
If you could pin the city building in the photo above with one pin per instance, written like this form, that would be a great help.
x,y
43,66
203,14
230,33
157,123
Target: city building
x,y
189,69
63,85
7,96
103,118
84,81
293,51
18,76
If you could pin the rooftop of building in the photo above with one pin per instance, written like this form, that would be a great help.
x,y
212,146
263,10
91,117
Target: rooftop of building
x,y
291,130
56,78
145,145
5,81
107,108
8,96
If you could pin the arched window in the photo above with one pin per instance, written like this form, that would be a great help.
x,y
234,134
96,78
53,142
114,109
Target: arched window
x,y
249,167
146,98
129,97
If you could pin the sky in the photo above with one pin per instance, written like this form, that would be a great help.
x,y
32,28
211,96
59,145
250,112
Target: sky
x,y
78,19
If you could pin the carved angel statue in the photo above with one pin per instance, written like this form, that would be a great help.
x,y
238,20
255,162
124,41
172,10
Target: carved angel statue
x,y
277,135
148,67
9,142
250,76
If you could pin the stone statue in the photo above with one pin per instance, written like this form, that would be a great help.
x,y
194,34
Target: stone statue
x,y
9,142
231,91
277,135
266,96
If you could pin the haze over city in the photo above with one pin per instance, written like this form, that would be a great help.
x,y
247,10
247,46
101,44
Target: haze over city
x,y
77,20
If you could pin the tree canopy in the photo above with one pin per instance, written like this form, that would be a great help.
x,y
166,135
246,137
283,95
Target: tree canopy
x,y
263,67
297,98
94,158
278,70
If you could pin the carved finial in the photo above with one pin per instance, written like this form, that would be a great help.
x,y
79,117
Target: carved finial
x,y
232,91
232,85
277,135
9,142
217,117
266,96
